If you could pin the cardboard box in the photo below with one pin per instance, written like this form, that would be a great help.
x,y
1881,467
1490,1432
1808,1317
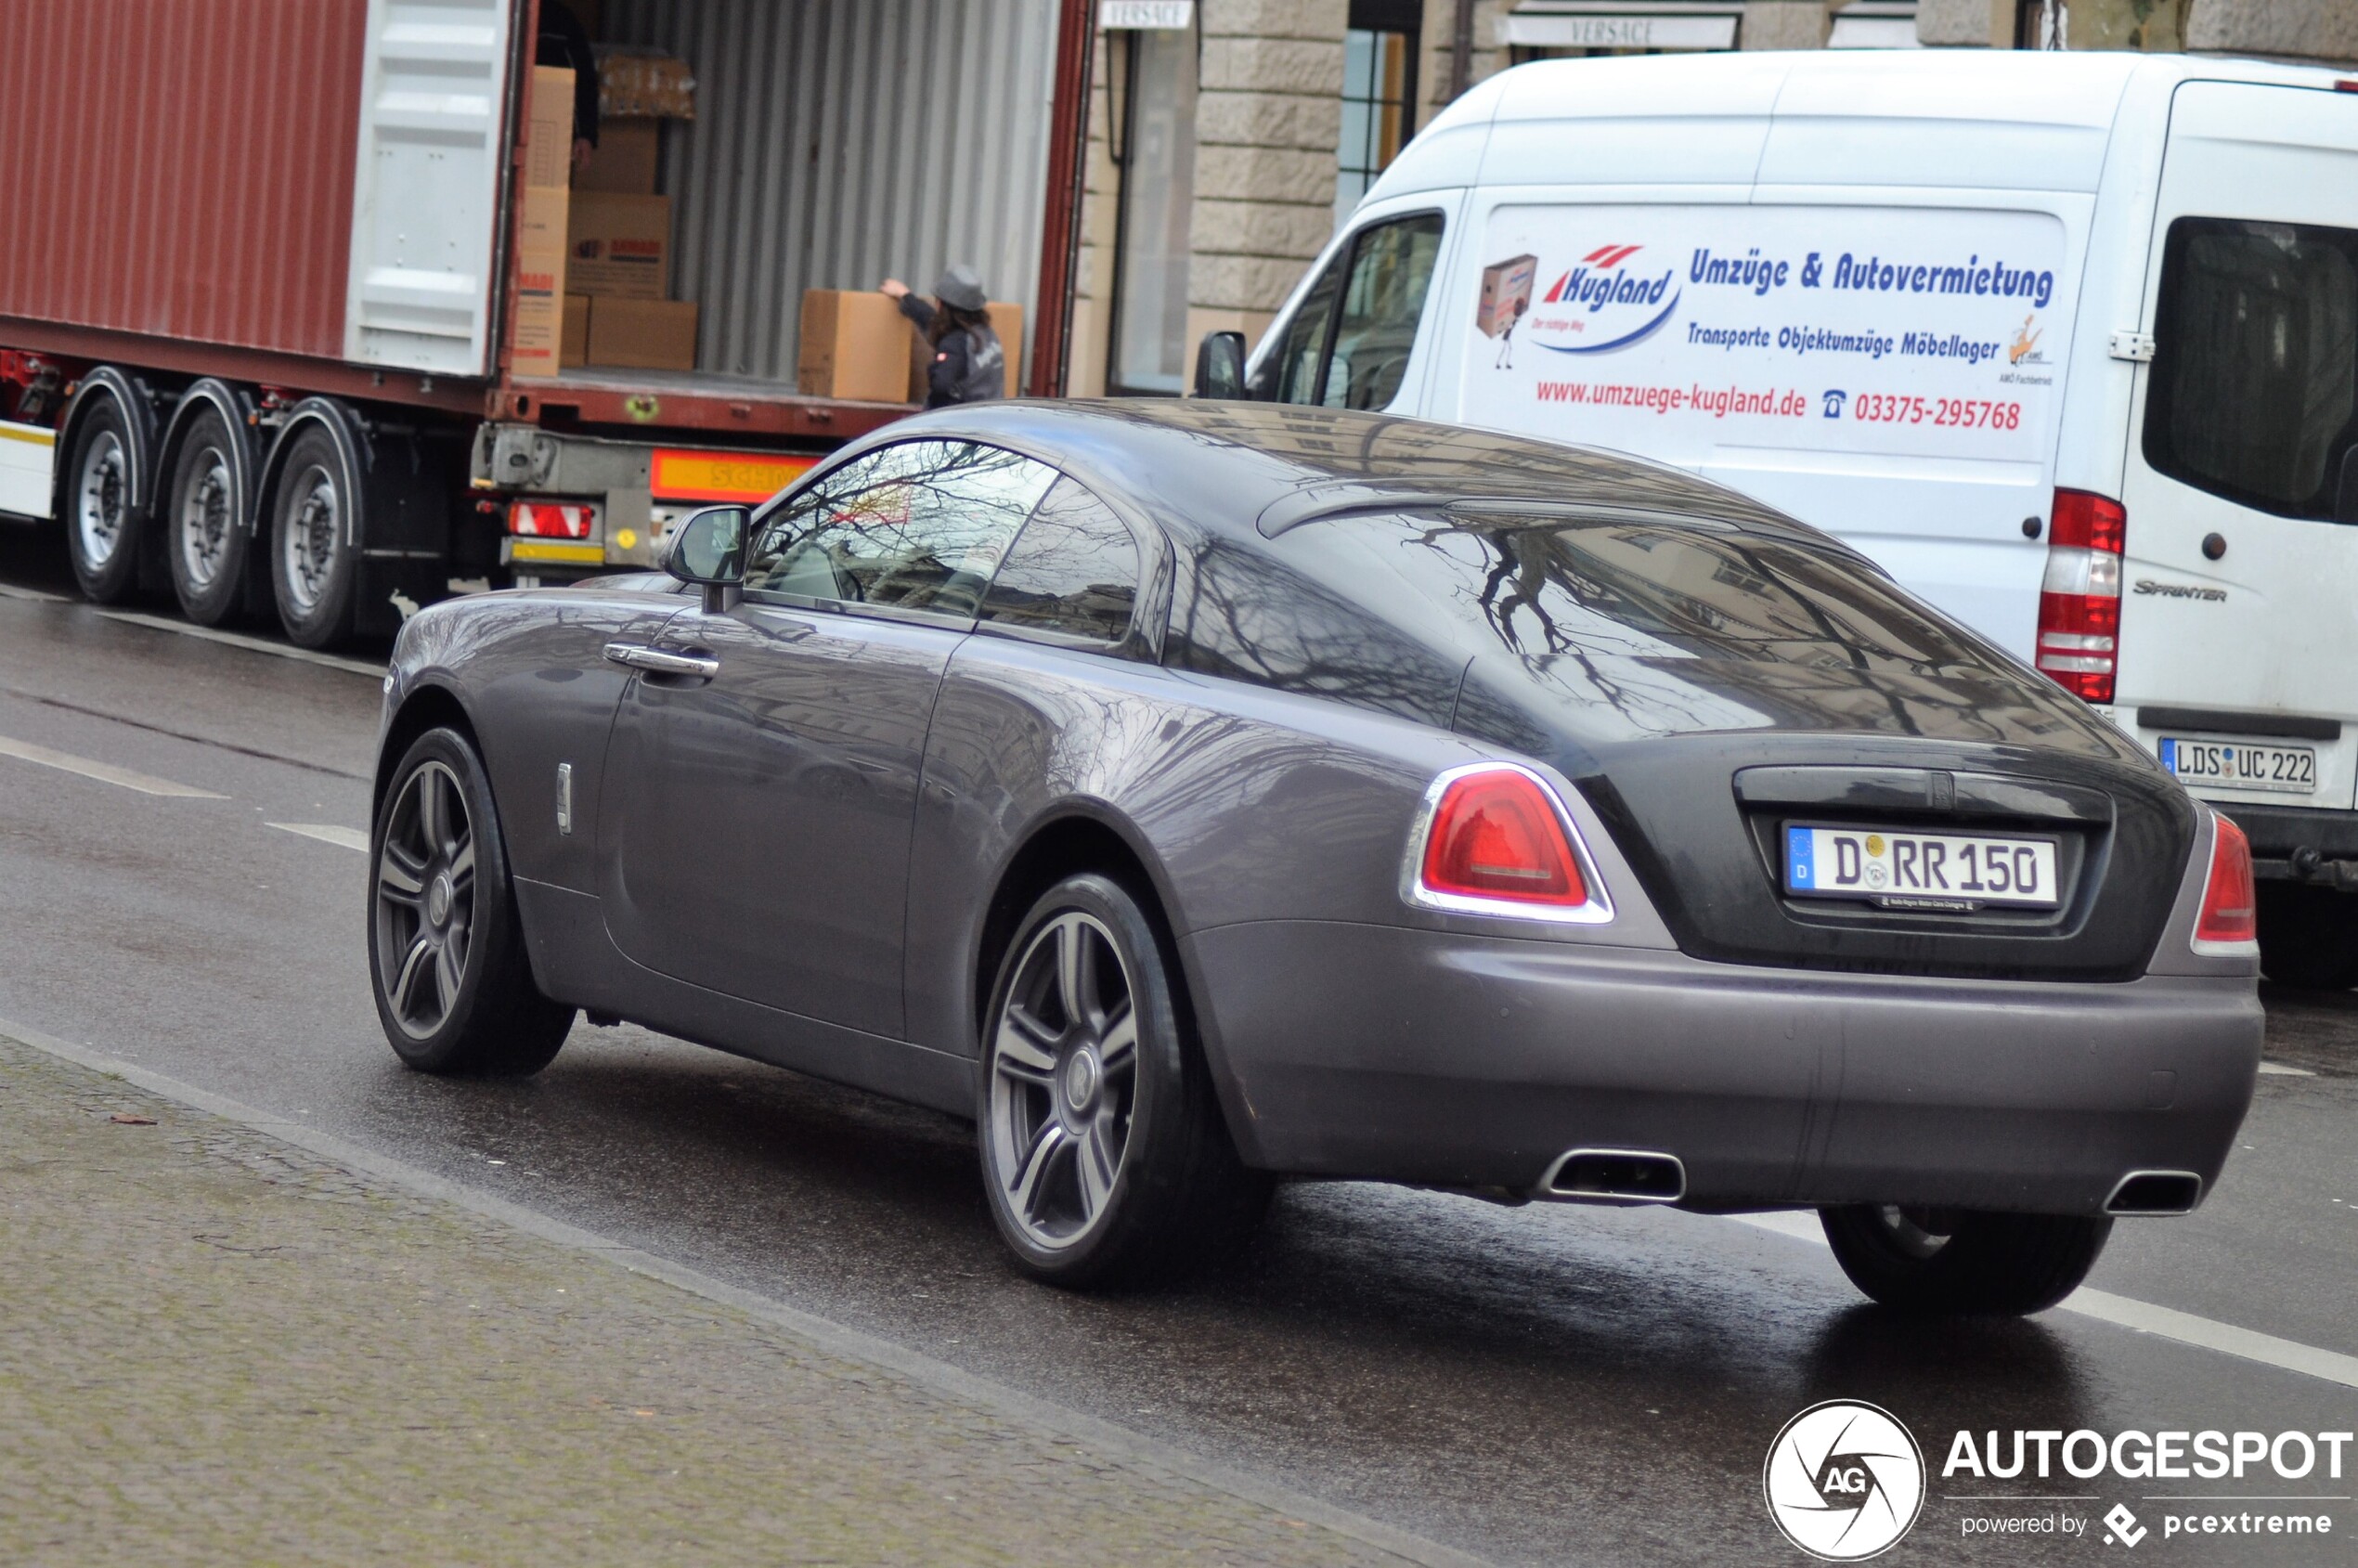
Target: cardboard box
x,y
547,137
536,346
1506,294
574,347
855,344
624,161
643,334
644,87
1005,319
619,245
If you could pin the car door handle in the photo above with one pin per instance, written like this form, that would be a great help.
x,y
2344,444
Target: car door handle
x,y
654,661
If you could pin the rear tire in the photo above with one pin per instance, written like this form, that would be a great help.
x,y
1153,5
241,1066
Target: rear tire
x,y
2308,936
102,526
1963,1261
314,556
205,535
1104,1150
447,958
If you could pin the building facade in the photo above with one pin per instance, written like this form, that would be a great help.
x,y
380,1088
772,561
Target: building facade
x,y
1227,138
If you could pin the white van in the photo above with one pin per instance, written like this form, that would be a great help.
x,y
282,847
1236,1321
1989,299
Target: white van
x,y
2068,342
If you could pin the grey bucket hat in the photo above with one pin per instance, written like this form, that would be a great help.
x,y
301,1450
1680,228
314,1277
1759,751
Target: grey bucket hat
x,y
962,288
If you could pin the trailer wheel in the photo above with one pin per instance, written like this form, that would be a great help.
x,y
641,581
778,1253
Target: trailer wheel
x,y
313,549
205,536
102,524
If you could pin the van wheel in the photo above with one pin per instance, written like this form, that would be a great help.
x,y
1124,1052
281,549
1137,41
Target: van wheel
x,y
314,556
102,526
1104,1151
2308,936
205,537
1963,1261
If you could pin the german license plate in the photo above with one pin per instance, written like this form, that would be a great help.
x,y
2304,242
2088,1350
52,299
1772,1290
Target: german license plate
x,y
2283,769
1900,869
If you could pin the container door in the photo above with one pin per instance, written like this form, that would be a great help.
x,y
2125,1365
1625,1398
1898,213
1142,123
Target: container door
x,y
425,197
2239,640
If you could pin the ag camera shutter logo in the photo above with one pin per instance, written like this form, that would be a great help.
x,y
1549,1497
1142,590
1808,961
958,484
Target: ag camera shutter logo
x,y
1845,1480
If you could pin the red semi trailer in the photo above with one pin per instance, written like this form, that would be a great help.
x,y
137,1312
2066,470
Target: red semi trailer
x,y
259,284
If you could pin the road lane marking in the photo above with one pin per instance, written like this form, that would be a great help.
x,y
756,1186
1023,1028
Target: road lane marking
x,y
2166,1323
327,833
1091,1432
106,772
239,640
39,596
2281,1070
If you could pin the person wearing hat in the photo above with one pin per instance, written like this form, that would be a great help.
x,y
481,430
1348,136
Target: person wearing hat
x,y
969,365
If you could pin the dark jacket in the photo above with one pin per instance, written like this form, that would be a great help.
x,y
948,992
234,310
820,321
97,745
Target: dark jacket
x,y
969,364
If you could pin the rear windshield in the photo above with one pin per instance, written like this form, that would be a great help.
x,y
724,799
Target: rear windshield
x,y
2255,378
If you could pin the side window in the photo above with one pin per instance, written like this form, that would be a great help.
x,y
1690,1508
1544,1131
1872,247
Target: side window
x,y
1380,281
916,525
1073,570
2255,377
1383,299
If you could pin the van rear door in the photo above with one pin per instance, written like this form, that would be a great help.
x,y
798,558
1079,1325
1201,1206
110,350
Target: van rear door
x,y
2238,660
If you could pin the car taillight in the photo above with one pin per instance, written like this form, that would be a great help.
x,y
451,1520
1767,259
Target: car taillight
x,y
550,520
2229,924
1493,839
2079,601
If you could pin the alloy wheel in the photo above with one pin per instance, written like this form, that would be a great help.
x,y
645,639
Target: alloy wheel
x,y
100,491
1064,1080
425,899
1915,1232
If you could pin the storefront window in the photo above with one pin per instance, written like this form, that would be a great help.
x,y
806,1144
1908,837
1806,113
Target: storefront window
x,y
1378,96
1156,152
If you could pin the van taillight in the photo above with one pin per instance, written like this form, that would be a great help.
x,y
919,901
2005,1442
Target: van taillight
x,y
2229,924
2079,601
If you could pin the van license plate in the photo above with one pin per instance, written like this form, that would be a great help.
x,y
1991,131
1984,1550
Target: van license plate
x,y
2283,769
1942,872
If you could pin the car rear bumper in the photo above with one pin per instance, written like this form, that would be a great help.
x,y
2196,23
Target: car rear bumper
x,y
1452,1060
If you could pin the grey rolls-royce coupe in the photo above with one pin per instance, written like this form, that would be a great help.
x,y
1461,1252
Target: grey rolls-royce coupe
x,y
1199,793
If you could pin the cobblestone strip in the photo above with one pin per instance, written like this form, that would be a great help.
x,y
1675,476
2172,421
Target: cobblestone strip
x,y
217,1347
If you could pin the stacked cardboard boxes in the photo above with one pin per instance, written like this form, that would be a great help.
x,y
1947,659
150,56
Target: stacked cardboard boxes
x,y
618,229
541,226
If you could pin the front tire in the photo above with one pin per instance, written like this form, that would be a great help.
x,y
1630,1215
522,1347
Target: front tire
x,y
102,526
1951,1261
447,958
1104,1151
205,534
314,556
2308,936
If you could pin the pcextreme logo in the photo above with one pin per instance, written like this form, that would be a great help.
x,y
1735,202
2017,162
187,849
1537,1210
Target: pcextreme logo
x,y
1616,304
1845,1480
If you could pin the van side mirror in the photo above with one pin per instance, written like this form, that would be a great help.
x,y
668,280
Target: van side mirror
x,y
1219,365
708,550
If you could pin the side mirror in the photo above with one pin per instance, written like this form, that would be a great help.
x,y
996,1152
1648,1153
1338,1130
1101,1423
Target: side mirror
x,y
708,550
1219,365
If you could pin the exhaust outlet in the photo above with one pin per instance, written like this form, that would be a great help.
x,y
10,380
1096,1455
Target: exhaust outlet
x,y
1614,1176
2155,1192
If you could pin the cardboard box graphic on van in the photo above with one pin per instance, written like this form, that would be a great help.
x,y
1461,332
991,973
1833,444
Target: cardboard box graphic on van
x,y
1506,294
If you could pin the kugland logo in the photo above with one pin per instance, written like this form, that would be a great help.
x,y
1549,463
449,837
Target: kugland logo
x,y
1602,294
1845,1480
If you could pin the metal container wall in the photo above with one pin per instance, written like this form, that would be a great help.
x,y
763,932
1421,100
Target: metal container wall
x,y
181,168
840,141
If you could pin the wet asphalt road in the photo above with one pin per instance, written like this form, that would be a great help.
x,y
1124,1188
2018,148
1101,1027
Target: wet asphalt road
x,y
1545,1385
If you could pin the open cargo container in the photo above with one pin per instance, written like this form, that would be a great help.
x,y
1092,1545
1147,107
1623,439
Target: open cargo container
x,y
258,322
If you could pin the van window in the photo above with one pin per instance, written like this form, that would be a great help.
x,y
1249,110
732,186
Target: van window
x,y
2255,375
1348,346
